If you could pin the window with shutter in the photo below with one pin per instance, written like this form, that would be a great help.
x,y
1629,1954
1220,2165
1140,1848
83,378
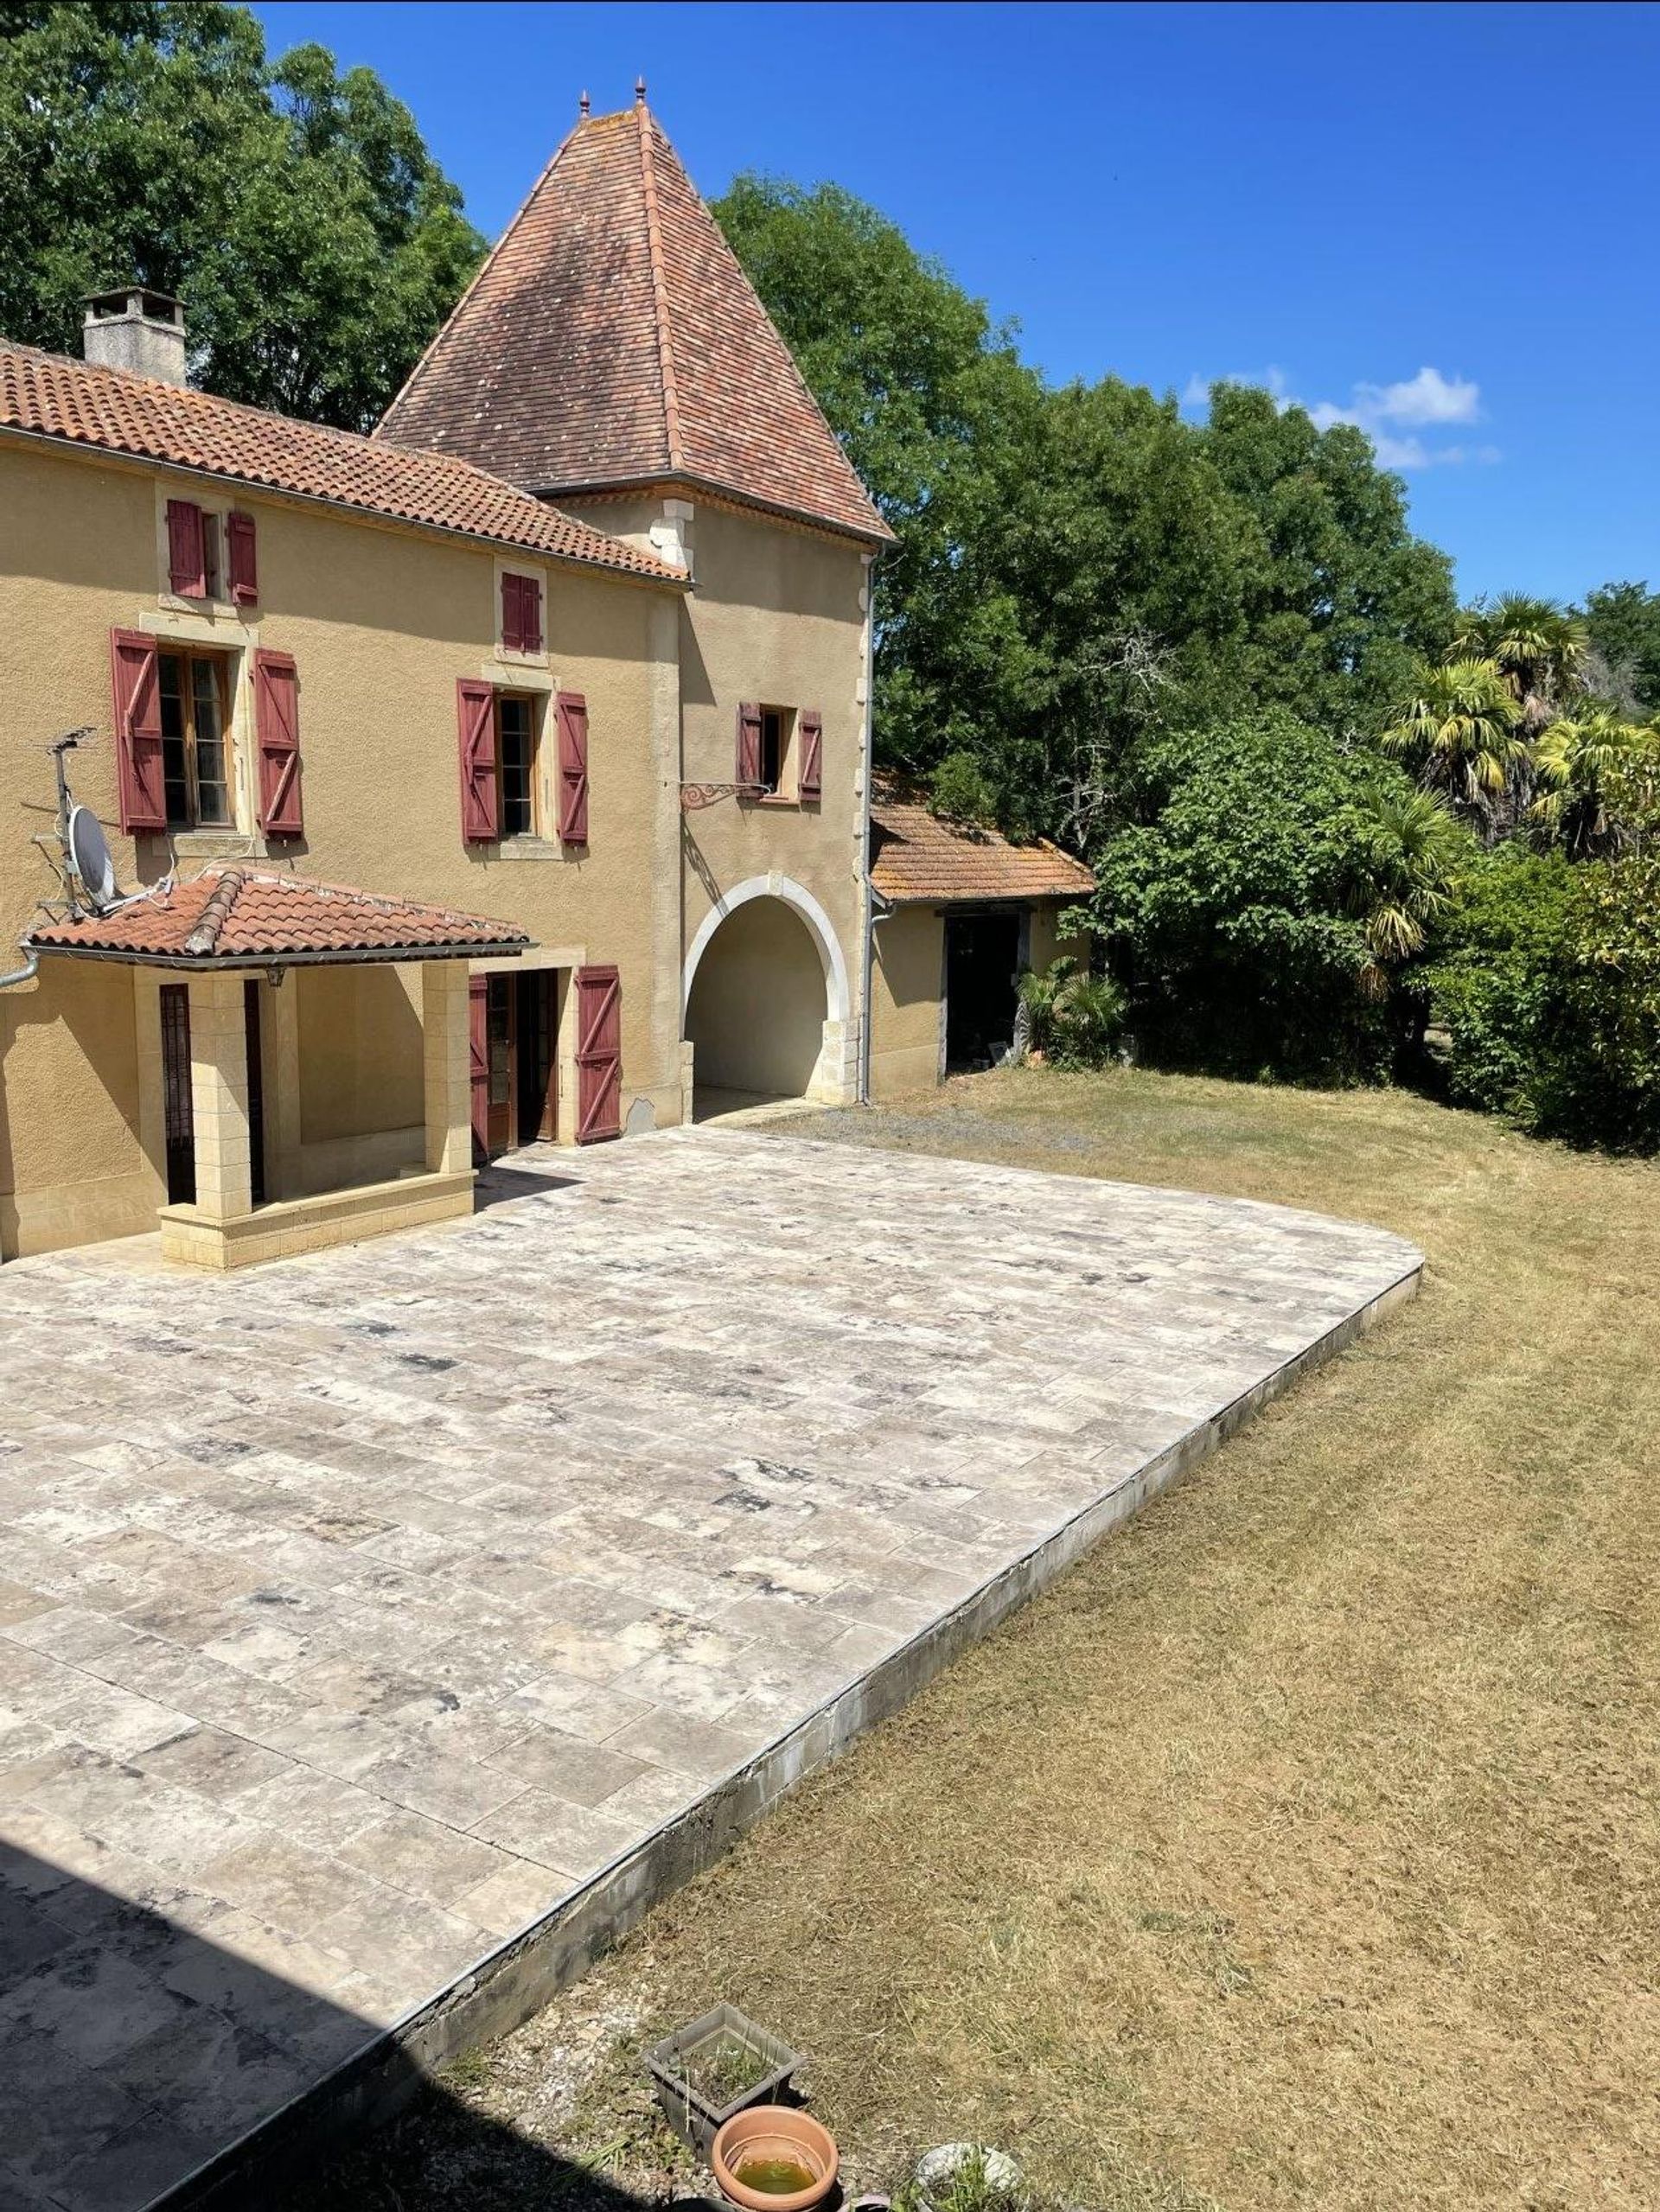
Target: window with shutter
x,y
513,619
522,614
476,734
599,1055
187,559
573,713
135,683
276,719
809,779
749,742
243,565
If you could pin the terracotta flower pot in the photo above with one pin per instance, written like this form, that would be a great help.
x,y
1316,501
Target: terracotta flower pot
x,y
767,2140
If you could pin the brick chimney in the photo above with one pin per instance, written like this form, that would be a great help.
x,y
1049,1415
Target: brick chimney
x,y
134,328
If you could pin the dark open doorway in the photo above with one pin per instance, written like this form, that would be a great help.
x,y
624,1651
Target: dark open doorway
x,y
250,1002
982,970
179,1113
515,1091
535,1032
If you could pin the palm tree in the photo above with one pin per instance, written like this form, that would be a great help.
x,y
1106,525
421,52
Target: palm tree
x,y
1461,727
1537,646
1413,856
1577,762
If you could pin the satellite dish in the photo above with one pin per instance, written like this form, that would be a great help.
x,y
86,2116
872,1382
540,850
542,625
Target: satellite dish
x,y
89,855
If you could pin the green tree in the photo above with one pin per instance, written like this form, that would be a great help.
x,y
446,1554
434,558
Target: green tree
x,y
1411,858
1459,725
296,211
1582,763
1240,907
1537,647
1623,623
1340,600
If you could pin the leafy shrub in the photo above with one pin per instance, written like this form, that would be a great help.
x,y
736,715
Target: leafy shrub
x,y
1073,1017
1549,988
1236,908
1600,1082
1494,986
959,792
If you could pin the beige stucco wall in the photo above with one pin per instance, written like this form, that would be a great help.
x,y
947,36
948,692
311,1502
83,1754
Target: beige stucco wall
x,y
907,977
381,622
756,1019
72,1161
1046,942
359,1034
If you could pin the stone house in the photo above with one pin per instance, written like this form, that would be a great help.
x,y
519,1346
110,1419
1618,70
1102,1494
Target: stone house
x,y
503,774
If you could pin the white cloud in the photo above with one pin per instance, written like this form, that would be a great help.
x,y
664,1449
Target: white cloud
x,y
1427,397
1392,415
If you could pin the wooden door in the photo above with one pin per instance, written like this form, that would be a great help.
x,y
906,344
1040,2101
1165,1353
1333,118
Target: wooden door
x,y
479,1061
599,1055
499,1047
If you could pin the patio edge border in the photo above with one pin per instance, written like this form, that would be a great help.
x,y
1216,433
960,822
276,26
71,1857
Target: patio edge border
x,y
501,1990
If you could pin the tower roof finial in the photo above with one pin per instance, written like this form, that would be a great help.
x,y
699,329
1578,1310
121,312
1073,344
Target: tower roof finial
x,y
639,91
583,104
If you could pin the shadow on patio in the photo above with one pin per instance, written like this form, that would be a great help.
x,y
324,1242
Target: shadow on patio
x,y
136,2052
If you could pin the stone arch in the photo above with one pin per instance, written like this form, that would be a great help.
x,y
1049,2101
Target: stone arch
x,y
767,934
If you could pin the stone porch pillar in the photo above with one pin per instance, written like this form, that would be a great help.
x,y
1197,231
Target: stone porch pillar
x,y
445,1054
219,1097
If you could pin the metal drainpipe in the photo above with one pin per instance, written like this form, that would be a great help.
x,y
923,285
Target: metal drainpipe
x,y
868,889
26,974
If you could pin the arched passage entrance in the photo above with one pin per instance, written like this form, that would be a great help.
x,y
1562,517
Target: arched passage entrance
x,y
765,997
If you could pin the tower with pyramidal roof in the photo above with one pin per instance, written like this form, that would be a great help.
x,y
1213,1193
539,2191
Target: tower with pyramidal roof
x,y
611,356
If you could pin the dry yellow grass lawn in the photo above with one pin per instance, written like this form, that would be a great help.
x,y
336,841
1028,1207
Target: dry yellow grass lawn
x,y
1300,1848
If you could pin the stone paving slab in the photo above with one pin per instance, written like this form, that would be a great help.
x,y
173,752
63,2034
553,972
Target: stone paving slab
x,y
357,1610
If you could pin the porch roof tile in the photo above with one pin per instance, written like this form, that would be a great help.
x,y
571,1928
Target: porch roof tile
x,y
917,859
250,917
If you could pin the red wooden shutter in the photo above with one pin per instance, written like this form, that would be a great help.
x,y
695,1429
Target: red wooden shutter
x,y
478,1059
476,719
599,1055
513,616
276,723
187,560
748,743
809,783
530,612
573,713
134,681
243,566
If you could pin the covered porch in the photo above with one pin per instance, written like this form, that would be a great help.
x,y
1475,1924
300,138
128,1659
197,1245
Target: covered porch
x,y
304,1058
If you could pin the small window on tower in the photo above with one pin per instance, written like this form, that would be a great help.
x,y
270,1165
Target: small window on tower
x,y
775,747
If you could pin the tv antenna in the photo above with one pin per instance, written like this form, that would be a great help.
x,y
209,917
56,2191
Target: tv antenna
x,y
88,870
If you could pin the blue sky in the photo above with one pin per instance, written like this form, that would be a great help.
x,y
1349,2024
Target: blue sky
x,y
1437,219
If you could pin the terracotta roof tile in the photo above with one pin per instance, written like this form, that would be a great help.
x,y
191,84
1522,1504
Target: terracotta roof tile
x,y
612,338
230,912
916,858
84,404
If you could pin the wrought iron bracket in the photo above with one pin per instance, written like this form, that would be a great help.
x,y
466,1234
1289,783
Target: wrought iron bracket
x,y
696,796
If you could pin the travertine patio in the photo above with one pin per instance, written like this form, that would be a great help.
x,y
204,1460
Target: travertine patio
x,y
357,1610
